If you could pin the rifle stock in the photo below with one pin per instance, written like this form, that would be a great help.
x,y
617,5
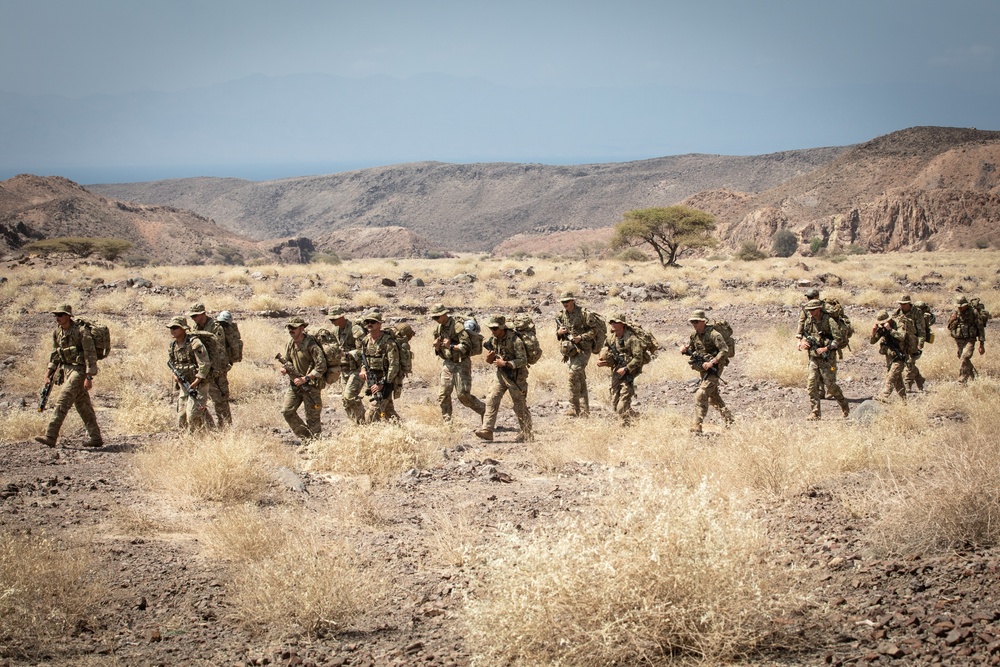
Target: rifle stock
x,y
185,385
619,363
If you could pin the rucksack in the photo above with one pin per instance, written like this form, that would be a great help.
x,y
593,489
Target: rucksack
x,y
650,346
330,345
600,327
928,314
835,310
234,341
977,305
524,327
726,329
216,349
401,334
475,336
101,335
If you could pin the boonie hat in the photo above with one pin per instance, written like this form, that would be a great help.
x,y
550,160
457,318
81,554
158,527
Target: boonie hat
x,y
372,316
905,299
295,323
617,318
334,312
883,316
814,304
567,296
496,321
178,322
63,309
437,310
197,309
961,301
698,316
812,293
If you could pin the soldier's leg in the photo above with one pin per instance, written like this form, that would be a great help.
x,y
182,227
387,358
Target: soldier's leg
x,y
182,409
312,403
896,370
71,388
220,400
966,349
701,401
518,396
198,417
813,389
447,384
828,371
351,397
85,407
289,410
463,387
493,406
624,403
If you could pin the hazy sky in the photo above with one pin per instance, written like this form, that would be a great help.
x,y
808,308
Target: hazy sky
x,y
78,48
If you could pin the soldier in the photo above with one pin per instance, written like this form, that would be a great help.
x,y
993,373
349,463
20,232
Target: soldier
x,y
822,336
348,334
892,345
624,355
379,368
709,354
217,385
452,344
74,359
966,327
578,329
811,293
192,369
305,365
506,352
911,321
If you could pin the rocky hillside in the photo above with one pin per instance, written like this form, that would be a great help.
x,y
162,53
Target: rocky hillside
x,y
466,206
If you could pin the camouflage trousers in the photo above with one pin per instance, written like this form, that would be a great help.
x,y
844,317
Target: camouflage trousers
x,y
622,393
911,374
518,396
73,395
708,394
351,386
893,378
966,350
823,373
383,410
192,411
457,378
579,397
310,397
218,393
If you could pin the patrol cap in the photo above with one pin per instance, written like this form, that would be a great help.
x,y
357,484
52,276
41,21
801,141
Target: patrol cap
x,y
63,309
496,321
295,323
814,304
334,312
812,293
618,318
883,316
566,296
178,321
905,299
698,316
437,310
372,316
196,309
224,316
961,301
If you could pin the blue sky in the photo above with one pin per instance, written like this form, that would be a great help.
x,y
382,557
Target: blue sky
x,y
765,76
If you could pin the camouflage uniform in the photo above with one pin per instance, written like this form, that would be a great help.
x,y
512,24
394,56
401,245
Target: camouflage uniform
x,y
456,364
709,343
895,360
966,328
351,384
72,362
826,332
190,358
624,352
512,379
308,360
382,358
217,385
580,322
914,326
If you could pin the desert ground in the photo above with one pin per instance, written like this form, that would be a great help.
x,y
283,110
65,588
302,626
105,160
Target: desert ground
x,y
870,540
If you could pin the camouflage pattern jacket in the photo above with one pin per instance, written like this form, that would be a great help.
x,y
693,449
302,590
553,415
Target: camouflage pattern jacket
x,y
966,325
581,322
74,349
826,331
191,358
511,348
213,327
455,332
710,343
307,359
382,356
348,338
915,328
626,351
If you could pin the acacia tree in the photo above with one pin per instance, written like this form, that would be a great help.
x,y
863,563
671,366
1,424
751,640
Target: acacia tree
x,y
669,230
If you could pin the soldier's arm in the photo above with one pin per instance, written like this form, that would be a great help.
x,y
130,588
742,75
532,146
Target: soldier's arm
x,y
201,358
89,352
720,343
800,330
590,323
520,358
392,356
318,369
634,364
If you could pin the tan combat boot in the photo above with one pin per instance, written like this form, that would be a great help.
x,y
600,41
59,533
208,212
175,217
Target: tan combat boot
x,y
484,434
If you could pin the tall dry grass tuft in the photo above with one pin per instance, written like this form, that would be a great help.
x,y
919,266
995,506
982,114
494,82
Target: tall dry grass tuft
x,y
773,357
648,573
17,425
383,450
143,409
227,466
45,590
285,573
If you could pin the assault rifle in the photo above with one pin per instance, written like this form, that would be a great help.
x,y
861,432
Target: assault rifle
x,y
884,335
814,343
372,379
43,397
570,350
290,370
185,385
620,363
509,373
698,359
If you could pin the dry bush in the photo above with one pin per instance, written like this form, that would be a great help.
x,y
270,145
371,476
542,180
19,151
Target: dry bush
x,y
313,298
368,299
143,409
773,357
646,574
18,425
227,466
46,591
9,345
455,538
381,451
109,303
264,302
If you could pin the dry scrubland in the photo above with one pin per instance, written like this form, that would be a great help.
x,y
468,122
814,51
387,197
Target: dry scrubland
x,y
662,546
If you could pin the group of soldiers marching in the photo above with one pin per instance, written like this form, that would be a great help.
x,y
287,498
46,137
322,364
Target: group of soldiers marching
x,y
370,362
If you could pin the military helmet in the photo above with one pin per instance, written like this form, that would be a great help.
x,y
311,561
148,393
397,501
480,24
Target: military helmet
x,y
882,316
196,309
63,309
437,310
295,323
496,321
814,304
566,296
812,293
698,316
224,316
178,321
472,326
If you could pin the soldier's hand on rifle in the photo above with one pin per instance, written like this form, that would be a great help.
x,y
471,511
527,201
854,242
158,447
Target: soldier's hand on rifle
x,y
684,350
491,357
299,381
363,374
196,383
601,361
500,362
562,331
437,343
803,344
707,366
621,371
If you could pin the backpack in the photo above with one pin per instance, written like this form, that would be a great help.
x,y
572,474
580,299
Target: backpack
x,y
401,334
835,310
650,346
475,336
234,341
100,334
216,350
330,345
600,326
524,328
974,302
726,329
928,314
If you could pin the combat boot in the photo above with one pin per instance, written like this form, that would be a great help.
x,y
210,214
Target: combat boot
x,y
45,440
696,428
845,408
814,417
94,443
484,434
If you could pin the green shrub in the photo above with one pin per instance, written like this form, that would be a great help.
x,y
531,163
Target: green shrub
x,y
632,255
982,244
784,243
816,245
81,246
749,252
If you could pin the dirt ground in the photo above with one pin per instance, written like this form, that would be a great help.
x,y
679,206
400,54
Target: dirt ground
x,y
168,604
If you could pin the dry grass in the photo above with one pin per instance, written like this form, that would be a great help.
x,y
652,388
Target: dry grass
x,y
20,424
646,573
772,356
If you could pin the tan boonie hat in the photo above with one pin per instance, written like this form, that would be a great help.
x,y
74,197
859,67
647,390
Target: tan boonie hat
x,y
883,316
63,309
567,296
814,304
295,323
334,312
618,318
496,321
905,299
960,301
178,321
372,316
437,310
197,309
698,316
